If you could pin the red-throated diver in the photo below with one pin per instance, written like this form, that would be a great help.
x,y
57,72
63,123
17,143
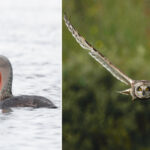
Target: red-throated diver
x,y
7,99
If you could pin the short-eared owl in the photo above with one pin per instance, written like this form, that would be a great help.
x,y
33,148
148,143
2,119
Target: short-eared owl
x,y
140,89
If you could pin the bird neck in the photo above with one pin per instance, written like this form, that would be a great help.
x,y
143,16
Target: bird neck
x,y
6,91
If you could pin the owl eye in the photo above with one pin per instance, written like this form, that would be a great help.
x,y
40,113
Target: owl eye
x,y
147,89
139,89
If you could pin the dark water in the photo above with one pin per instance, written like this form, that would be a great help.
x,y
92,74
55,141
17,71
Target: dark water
x,y
30,36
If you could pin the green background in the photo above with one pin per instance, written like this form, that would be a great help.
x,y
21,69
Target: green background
x,y
95,116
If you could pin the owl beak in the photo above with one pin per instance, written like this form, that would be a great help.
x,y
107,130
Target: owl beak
x,y
125,92
143,93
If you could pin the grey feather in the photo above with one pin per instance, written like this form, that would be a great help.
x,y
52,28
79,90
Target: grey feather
x,y
97,55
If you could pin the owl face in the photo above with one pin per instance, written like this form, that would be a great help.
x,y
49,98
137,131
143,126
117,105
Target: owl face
x,y
142,90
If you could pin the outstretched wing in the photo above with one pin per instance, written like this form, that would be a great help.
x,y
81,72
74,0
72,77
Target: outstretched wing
x,y
97,55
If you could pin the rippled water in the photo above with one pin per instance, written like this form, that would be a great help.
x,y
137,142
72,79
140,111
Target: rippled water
x,y
30,36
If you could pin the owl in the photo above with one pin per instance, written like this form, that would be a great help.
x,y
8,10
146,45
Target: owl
x,y
139,89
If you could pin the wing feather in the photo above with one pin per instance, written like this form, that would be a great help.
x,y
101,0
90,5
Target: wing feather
x,y
97,55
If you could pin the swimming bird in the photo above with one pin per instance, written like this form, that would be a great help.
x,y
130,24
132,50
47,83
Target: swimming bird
x,y
7,100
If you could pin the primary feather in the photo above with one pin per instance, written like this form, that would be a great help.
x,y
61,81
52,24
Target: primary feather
x,y
97,55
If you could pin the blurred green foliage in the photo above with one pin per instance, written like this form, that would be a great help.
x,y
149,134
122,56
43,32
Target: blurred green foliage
x,y
95,116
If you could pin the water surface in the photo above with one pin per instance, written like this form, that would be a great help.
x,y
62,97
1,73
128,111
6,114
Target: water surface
x,y
30,36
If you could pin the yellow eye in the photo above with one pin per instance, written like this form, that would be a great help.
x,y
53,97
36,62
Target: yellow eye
x,y
139,89
147,89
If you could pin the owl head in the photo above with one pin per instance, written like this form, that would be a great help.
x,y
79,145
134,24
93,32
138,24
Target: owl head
x,y
142,89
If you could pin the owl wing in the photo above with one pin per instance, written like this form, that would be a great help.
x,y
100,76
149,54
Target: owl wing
x,y
97,55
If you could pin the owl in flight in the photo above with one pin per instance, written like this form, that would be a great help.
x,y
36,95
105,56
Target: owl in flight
x,y
139,89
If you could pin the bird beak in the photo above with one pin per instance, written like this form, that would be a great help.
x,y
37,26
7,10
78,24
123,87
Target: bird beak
x,y
125,92
143,93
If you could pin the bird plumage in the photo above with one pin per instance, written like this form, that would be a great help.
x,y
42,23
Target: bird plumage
x,y
97,55
143,85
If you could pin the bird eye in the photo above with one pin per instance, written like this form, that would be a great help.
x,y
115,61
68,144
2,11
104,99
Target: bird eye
x,y
148,89
139,89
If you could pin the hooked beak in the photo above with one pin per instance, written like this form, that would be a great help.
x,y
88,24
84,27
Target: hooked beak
x,y
143,93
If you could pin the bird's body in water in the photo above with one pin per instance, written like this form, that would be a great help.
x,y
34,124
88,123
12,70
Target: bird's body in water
x,y
27,101
7,100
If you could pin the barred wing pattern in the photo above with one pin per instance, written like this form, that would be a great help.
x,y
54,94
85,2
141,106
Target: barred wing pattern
x,y
97,55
